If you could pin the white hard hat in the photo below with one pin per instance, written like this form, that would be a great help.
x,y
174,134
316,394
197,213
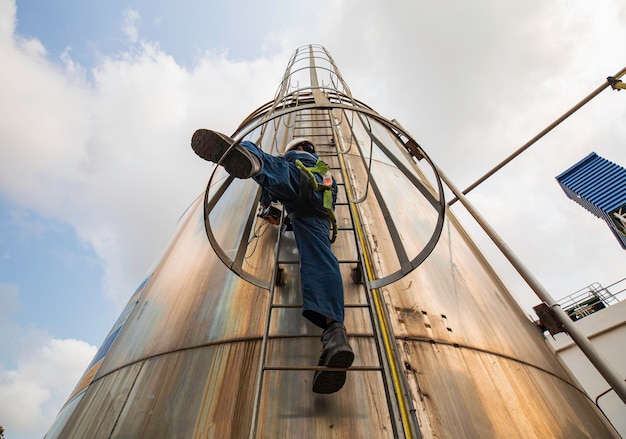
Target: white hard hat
x,y
297,142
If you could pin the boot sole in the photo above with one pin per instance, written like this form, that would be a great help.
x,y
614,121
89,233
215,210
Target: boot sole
x,y
330,381
211,146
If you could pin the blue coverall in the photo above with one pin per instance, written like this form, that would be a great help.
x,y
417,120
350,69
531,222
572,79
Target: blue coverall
x,y
322,287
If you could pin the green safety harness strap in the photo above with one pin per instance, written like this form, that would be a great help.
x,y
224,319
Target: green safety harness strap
x,y
320,168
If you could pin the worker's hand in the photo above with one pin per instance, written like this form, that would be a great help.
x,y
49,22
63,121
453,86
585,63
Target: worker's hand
x,y
272,220
264,212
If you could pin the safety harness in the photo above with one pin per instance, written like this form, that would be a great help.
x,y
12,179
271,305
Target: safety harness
x,y
308,186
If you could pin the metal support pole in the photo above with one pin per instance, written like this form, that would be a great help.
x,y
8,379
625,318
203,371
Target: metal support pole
x,y
611,80
606,370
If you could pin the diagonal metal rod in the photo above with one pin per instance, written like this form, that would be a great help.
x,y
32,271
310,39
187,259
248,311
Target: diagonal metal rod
x,y
545,131
604,368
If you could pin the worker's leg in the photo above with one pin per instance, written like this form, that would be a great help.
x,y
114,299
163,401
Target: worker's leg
x,y
322,288
246,160
322,294
212,146
336,352
277,176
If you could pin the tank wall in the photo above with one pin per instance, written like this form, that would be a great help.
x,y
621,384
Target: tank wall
x,y
476,365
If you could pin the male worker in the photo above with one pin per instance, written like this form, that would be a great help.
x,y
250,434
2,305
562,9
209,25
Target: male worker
x,y
322,288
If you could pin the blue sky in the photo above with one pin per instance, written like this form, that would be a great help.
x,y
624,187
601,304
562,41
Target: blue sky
x,y
56,272
100,100
183,29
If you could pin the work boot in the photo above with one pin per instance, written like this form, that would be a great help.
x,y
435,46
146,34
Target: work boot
x,y
211,146
336,352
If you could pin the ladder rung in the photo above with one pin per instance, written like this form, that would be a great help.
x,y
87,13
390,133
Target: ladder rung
x,y
307,117
312,127
301,368
352,305
350,335
343,261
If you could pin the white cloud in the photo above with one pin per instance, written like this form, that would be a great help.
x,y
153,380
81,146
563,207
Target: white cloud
x,y
130,28
37,372
33,392
7,20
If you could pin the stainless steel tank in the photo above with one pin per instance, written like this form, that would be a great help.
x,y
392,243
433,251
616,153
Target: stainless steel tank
x,y
212,344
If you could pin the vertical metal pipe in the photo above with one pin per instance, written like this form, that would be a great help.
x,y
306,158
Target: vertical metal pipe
x,y
604,368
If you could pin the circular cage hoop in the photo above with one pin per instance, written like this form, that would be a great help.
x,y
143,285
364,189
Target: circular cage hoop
x,y
439,206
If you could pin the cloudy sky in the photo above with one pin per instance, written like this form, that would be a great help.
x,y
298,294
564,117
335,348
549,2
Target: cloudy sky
x,y
99,100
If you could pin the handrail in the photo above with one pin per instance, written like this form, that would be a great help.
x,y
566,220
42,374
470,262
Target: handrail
x,y
609,81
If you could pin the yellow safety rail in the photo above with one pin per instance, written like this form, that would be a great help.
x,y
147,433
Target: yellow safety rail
x,y
378,305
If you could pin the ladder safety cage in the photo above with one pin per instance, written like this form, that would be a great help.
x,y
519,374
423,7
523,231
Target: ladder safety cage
x,y
365,116
356,143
